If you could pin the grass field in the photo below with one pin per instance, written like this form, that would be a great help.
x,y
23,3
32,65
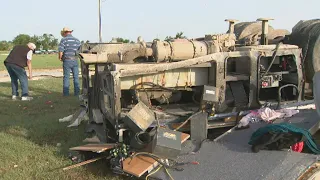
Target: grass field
x,y
45,61
30,131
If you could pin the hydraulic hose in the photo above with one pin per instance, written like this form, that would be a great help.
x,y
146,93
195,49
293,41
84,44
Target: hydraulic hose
x,y
273,59
279,92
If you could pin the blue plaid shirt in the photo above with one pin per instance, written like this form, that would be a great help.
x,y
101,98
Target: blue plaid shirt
x,y
69,46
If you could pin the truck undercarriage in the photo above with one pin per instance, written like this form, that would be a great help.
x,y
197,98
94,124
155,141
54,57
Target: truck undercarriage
x,y
141,90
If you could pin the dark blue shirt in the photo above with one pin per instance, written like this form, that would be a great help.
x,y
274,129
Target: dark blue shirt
x,y
69,46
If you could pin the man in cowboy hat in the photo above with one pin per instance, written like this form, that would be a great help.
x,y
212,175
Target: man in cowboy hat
x,y
68,51
19,58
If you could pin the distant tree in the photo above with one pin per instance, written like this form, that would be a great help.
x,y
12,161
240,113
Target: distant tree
x,y
46,41
179,35
21,39
121,40
5,45
36,40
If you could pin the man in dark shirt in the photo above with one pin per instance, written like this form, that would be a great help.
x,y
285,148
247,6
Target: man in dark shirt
x,y
19,58
68,50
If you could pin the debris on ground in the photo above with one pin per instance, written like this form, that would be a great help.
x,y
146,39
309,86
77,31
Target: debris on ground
x,y
267,115
281,136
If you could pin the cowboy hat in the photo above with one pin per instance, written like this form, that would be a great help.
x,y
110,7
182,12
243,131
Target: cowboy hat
x,y
32,46
65,29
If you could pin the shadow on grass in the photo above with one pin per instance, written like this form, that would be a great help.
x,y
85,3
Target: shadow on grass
x,y
38,120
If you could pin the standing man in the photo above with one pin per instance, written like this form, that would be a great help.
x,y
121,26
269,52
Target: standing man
x,y
68,51
19,58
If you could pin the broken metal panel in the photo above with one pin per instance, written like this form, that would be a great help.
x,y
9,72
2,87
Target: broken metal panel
x,y
199,127
139,118
97,116
166,143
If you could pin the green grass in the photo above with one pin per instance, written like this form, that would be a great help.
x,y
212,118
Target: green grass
x,y
45,61
30,131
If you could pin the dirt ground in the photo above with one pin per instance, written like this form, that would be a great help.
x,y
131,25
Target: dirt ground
x,y
37,74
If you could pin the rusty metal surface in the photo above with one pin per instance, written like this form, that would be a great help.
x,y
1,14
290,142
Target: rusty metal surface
x,y
183,77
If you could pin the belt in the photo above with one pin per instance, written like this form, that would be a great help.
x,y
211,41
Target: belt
x,y
71,58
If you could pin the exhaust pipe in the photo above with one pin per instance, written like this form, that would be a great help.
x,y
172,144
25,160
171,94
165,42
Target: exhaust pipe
x,y
231,25
265,28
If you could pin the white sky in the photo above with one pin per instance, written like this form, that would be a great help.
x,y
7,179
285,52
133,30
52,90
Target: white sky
x,y
147,18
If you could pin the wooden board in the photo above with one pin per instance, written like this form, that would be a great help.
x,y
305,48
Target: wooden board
x,y
141,164
184,137
93,147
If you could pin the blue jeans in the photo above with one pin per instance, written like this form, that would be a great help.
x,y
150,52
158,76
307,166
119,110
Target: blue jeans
x,y
17,72
70,65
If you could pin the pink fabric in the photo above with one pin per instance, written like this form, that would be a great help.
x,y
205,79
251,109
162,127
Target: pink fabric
x,y
267,115
298,147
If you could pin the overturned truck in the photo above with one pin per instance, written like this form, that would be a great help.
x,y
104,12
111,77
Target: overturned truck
x,y
142,93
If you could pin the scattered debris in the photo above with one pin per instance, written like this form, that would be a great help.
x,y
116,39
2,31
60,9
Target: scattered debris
x,y
66,119
83,163
94,139
265,114
77,117
48,102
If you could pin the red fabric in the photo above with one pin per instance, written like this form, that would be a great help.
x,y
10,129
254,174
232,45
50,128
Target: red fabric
x,y
298,147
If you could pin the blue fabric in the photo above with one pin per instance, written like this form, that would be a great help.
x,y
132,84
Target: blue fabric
x,y
286,127
69,45
70,66
18,73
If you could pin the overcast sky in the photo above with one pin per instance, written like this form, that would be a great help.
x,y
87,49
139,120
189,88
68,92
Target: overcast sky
x,y
147,18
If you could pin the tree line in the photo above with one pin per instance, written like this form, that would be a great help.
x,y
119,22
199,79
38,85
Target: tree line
x,y
43,42
49,42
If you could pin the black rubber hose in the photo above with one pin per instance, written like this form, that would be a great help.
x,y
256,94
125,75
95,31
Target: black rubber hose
x,y
273,59
279,92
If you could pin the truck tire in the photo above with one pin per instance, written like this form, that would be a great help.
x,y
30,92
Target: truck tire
x,y
306,35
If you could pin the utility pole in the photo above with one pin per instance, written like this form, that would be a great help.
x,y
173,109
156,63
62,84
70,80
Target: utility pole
x,y
100,38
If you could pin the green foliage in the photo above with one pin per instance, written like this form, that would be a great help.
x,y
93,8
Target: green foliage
x,y
21,39
45,41
179,35
5,45
122,40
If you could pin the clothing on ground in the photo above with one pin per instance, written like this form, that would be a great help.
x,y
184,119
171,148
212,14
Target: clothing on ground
x,y
267,115
279,136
